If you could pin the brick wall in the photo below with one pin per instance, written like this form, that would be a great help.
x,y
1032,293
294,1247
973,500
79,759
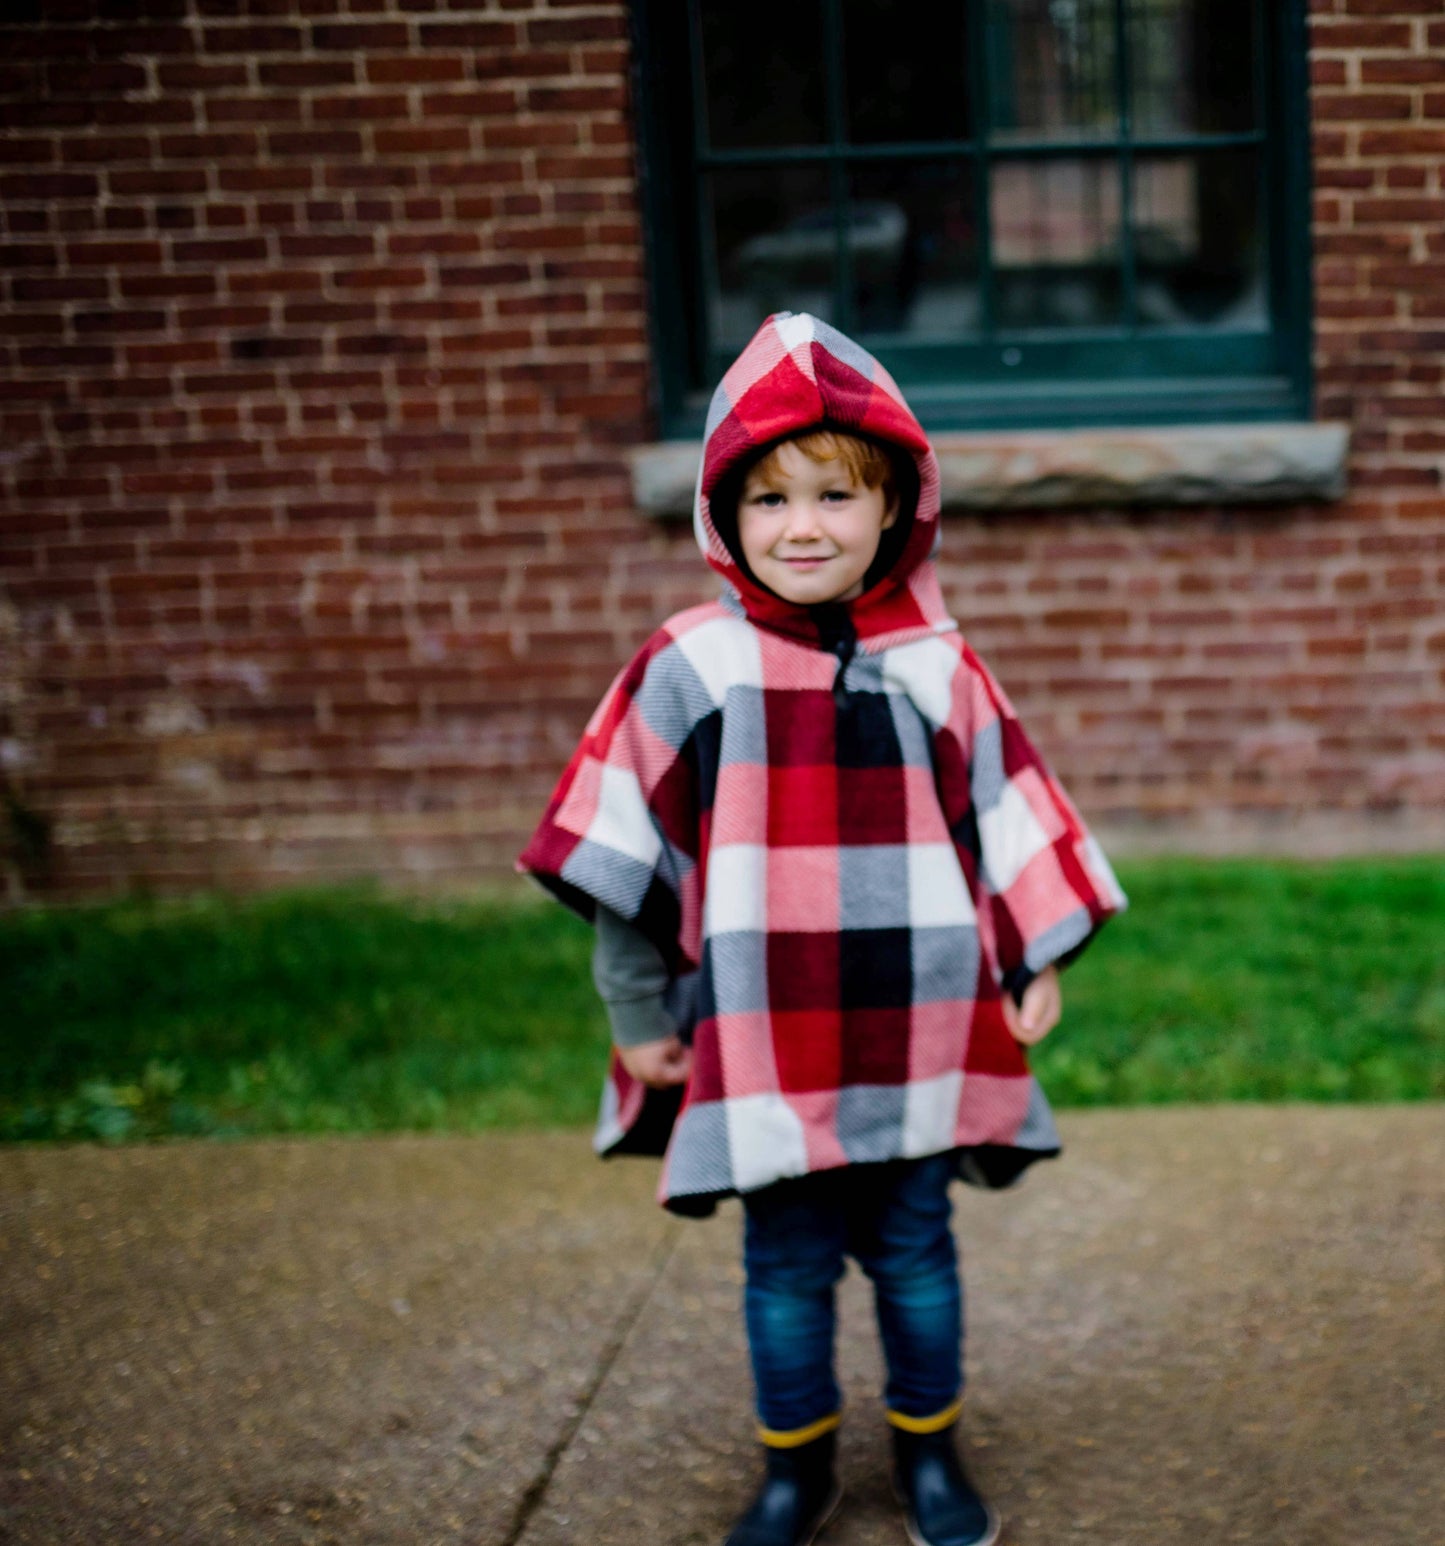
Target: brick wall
x,y
324,340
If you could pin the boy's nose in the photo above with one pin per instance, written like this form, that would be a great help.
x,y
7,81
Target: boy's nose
x,y
803,519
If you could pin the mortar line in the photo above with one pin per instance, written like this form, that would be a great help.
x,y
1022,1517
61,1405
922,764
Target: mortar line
x,y
531,1499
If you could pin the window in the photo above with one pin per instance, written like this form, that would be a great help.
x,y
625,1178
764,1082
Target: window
x,y
1035,212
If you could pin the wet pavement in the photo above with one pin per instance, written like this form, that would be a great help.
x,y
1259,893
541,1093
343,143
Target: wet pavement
x,y
1202,1325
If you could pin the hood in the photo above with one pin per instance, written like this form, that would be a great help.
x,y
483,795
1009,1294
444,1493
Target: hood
x,y
799,374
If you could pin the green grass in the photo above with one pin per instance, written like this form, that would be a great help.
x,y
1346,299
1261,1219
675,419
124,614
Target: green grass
x,y
1246,980
303,1011
330,1011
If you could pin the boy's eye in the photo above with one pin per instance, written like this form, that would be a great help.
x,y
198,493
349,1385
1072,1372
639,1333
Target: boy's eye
x,y
837,494
769,498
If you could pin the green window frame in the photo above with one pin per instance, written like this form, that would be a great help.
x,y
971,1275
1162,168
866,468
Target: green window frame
x,y
997,374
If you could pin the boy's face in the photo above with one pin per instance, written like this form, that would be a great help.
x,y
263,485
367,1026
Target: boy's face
x,y
808,531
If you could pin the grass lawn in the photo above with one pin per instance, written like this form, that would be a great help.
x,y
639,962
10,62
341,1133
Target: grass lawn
x,y
344,1010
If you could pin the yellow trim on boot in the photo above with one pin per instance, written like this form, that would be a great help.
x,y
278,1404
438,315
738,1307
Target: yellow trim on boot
x,y
935,1424
794,1437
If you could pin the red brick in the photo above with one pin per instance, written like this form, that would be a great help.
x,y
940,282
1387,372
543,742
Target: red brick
x,y
314,143
531,135
1366,244
274,282
606,59
302,73
113,254
1327,32
264,179
495,102
1360,106
195,75
41,187
523,64
30,151
359,36
1414,141
104,150
381,174
450,243
266,110
592,268
1392,7
18,80
380,277
414,69
357,106
1399,210
576,99
259,38
1402,70
93,77
242,249
590,167
478,173
232,145
466,36
36,255
597,28
421,141
157,182
140,113
52,42
541,237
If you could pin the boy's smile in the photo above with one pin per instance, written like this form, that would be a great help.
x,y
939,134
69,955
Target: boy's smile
x,y
808,531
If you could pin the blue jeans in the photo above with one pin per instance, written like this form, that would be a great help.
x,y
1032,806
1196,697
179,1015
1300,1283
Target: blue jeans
x,y
893,1219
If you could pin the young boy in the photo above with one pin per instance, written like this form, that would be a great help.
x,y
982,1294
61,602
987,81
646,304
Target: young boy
x,y
832,883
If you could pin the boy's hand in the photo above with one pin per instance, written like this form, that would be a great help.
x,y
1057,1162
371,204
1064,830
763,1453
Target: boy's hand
x,y
1038,1014
658,1064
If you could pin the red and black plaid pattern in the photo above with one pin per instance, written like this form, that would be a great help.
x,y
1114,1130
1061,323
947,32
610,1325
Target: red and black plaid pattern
x,y
842,873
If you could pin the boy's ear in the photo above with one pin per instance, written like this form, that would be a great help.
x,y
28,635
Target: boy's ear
x,y
890,515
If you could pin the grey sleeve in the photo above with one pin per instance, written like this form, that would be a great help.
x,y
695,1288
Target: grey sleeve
x,y
632,978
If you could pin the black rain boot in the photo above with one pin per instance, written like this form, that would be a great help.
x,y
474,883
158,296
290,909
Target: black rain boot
x,y
940,1507
796,1500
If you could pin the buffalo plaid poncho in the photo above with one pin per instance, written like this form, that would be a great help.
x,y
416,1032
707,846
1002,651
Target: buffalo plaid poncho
x,y
835,831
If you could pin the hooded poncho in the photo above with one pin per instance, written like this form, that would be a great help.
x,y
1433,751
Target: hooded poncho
x,y
832,827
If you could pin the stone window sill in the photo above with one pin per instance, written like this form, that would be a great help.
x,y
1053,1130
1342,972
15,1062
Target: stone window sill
x,y
1182,465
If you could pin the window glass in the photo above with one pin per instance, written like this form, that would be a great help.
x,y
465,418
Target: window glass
x,y
915,254
1052,69
1056,242
1192,66
905,82
1197,239
760,64
776,241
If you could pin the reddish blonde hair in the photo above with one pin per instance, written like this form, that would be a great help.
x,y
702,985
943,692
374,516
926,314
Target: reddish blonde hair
x,y
866,463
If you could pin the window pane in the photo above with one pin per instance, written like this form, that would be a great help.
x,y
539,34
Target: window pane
x,y
905,82
1192,65
775,244
1051,69
763,66
1055,242
914,245
1197,230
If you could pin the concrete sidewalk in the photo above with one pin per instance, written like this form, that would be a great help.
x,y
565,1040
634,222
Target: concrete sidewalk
x,y
1201,1325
